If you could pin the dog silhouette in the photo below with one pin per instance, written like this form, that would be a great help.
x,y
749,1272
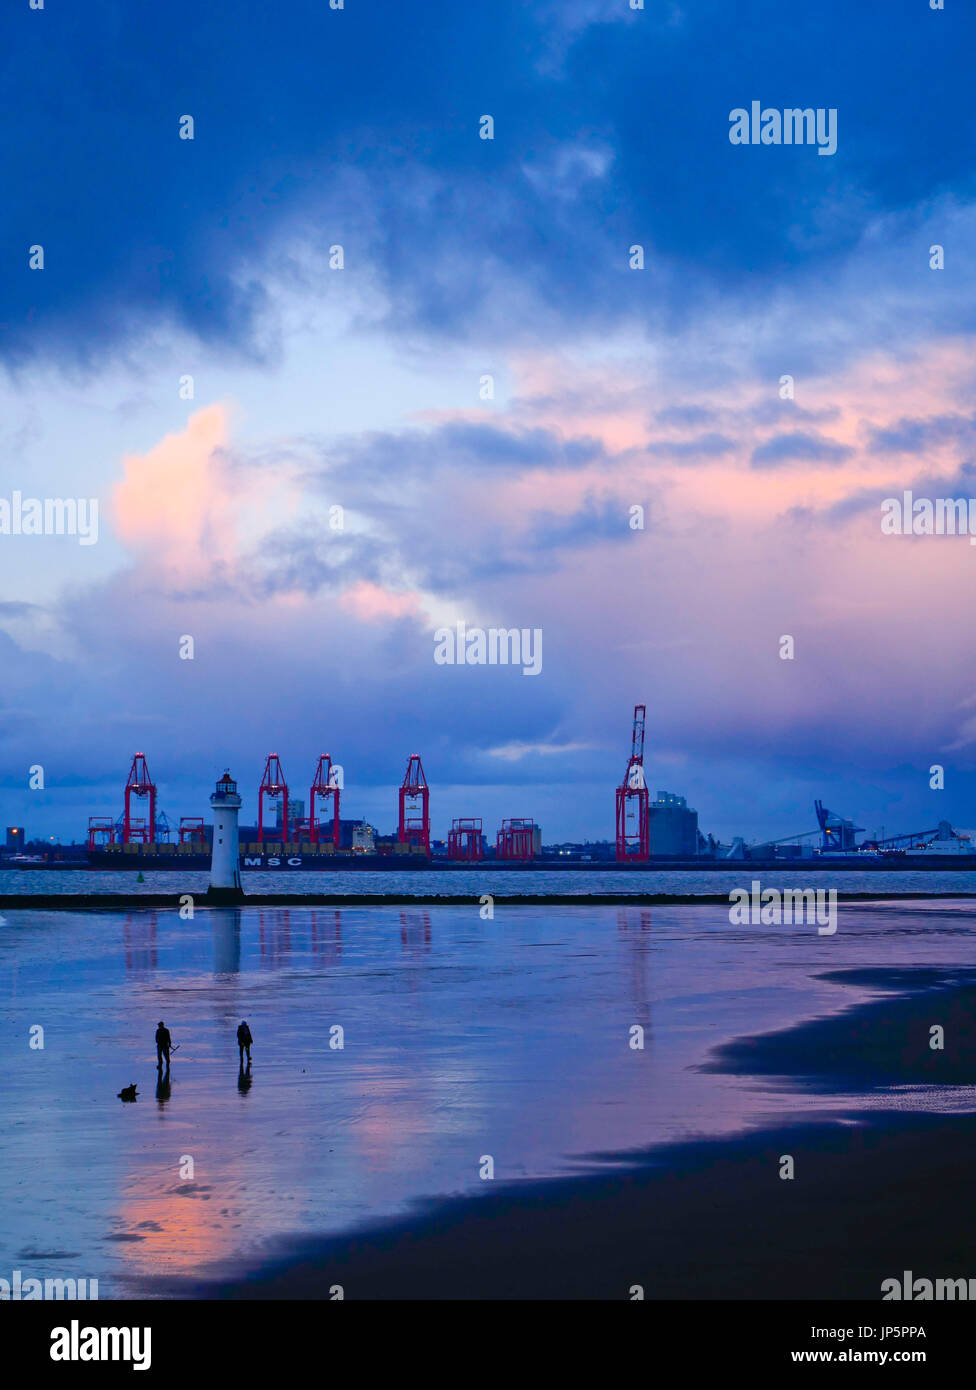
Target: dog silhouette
x,y
128,1092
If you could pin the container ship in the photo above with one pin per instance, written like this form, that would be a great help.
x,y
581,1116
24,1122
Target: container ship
x,y
256,856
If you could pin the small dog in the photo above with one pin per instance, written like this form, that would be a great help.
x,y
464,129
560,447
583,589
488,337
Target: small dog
x,y
128,1092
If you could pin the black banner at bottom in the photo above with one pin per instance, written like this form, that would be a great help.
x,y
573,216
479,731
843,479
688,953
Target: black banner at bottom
x,y
169,1338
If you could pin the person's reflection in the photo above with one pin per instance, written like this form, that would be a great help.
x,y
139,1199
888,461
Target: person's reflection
x,y
162,1087
244,1079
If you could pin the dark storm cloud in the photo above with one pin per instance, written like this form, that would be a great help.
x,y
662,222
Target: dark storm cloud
x,y
311,561
799,447
597,520
782,412
961,484
685,415
371,460
592,153
913,436
706,446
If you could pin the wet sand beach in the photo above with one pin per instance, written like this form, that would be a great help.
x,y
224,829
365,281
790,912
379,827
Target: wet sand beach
x,y
873,1194
872,1197
514,1038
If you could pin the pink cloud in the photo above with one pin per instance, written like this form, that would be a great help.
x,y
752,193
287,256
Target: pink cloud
x,y
372,603
176,504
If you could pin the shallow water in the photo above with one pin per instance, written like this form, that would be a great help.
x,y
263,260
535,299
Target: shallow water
x,y
453,882
463,1038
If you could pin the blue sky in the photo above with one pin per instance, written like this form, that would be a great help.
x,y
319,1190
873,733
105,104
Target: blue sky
x,y
361,387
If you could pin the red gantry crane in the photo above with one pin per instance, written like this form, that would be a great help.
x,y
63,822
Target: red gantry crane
x,y
414,822
101,831
465,838
139,784
192,830
633,800
273,784
325,786
516,839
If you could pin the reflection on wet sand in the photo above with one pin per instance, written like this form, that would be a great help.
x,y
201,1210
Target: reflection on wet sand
x,y
139,941
326,929
634,926
274,935
226,929
508,1037
415,931
167,1222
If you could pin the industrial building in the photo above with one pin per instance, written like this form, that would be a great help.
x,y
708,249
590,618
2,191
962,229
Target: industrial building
x,y
672,827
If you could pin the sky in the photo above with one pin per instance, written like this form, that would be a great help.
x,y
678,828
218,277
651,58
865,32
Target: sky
x,y
310,468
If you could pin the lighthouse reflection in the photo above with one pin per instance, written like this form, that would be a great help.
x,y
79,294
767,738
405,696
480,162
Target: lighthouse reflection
x,y
226,930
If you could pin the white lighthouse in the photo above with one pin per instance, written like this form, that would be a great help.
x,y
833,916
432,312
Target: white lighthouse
x,y
225,873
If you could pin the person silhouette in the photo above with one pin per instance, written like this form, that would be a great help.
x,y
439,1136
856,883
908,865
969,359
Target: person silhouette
x,y
163,1044
244,1041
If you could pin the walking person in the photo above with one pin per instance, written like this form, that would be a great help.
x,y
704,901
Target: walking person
x,y
163,1044
244,1041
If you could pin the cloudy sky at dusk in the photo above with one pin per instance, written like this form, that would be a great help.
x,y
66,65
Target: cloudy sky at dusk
x,y
361,388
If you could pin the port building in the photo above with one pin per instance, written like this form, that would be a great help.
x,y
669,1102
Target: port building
x,y
672,827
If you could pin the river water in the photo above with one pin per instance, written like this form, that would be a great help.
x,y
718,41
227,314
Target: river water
x,y
431,882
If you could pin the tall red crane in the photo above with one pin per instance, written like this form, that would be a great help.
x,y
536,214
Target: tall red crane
x,y
633,800
139,784
325,785
273,784
414,823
